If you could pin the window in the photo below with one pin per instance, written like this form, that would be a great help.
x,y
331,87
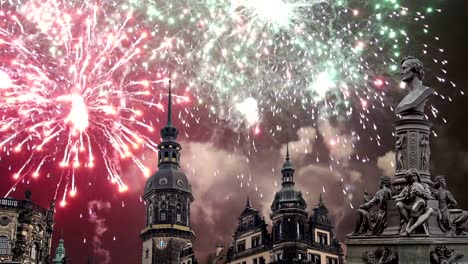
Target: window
x,y
241,246
322,238
332,260
262,260
147,254
163,216
34,252
179,218
314,258
162,181
280,230
255,241
150,214
4,246
255,261
298,231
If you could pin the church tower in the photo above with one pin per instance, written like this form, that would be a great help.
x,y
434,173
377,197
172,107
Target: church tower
x,y
60,256
167,196
289,219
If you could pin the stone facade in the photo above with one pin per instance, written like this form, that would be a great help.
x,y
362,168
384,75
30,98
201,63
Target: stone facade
x,y
25,231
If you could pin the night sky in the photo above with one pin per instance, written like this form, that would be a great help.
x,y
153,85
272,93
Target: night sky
x,y
223,167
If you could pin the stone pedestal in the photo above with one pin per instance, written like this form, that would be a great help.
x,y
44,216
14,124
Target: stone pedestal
x,y
412,149
409,250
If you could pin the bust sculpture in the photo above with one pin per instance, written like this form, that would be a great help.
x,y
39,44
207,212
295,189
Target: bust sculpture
x,y
412,203
412,73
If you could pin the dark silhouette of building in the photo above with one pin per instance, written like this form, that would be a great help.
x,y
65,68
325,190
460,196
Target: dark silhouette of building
x,y
168,196
25,231
294,238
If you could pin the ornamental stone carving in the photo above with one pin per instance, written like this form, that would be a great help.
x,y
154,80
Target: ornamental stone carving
x,y
381,255
443,255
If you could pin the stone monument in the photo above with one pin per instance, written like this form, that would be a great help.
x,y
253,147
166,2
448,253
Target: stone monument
x,y
413,219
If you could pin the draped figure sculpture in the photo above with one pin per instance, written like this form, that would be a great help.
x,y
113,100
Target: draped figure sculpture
x,y
374,222
451,220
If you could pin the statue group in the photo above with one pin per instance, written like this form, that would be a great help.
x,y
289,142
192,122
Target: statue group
x,y
411,213
412,207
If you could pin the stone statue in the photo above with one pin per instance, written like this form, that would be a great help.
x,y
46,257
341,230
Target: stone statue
x,y
425,153
400,145
446,201
412,73
412,203
450,219
443,255
374,222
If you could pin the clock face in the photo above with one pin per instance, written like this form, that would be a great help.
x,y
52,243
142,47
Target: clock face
x,y
161,243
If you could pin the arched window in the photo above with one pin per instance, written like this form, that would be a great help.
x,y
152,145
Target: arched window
x,y
4,246
150,214
280,230
179,213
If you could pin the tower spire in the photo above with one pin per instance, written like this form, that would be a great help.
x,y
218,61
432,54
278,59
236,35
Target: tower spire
x,y
169,104
288,168
169,132
248,205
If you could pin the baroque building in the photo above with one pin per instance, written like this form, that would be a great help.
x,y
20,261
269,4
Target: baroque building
x,y
25,231
294,238
168,236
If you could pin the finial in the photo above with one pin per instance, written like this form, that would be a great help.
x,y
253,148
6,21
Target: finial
x,y
169,104
249,205
320,200
287,147
27,194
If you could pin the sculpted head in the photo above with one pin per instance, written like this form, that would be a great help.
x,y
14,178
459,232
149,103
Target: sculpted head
x,y
412,176
440,182
411,67
385,181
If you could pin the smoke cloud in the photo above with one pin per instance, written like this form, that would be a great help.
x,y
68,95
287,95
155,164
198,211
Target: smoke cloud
x,y
95,207
386,164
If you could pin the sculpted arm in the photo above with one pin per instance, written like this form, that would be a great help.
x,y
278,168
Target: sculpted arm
x,y
374,201
451,200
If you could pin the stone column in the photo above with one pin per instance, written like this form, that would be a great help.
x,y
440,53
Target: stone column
x,y
412,132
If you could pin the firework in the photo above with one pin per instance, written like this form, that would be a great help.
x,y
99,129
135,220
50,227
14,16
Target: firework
x,y
80,79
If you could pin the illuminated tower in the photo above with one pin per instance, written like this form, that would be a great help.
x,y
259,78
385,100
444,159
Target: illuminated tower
x,y
167,197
